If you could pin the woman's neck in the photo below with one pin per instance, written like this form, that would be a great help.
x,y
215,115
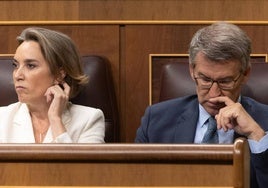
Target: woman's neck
x,y
40,121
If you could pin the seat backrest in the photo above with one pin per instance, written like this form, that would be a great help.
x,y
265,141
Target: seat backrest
x,y
98,93
7,92
176,82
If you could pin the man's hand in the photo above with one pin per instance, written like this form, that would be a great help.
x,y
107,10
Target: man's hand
x,y
234,116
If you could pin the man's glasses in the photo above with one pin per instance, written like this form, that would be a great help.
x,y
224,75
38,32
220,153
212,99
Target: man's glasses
x,y
224,84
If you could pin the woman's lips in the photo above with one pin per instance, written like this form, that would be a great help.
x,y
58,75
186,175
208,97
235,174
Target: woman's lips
x,y
19,88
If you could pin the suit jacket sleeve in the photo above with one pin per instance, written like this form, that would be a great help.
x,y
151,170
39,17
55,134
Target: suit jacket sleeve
x,y
141,135
259,170
259,161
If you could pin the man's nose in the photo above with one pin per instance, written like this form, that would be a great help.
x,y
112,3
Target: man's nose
x,y
215,90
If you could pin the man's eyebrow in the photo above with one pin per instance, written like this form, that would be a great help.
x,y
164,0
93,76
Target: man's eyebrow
x,y
203,75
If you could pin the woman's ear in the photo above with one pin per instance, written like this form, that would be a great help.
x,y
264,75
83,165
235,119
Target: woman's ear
x,y
60,77
62,74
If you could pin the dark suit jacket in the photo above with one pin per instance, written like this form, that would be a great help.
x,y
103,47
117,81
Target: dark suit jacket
x,y
174,121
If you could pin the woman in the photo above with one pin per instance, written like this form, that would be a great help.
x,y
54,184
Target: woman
x,y
47,73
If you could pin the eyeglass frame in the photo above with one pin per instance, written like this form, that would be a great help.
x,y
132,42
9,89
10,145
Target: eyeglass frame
x,y
217,81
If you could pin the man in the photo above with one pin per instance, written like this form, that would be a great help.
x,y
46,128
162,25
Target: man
x,y
219,65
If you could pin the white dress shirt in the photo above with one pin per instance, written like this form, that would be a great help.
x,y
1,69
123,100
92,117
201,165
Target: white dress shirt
x,y
202,125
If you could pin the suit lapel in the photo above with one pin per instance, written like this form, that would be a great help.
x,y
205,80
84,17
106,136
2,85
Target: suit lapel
x,y
186,124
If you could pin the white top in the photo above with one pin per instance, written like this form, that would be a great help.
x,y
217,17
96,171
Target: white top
x,y
83,124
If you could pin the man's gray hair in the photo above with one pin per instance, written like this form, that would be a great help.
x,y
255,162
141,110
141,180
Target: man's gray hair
x,y
221,41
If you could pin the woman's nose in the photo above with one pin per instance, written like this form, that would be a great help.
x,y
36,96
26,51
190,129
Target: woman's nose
x,y
18,73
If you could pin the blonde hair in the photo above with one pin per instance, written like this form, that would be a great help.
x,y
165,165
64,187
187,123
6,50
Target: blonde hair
x,y
61,54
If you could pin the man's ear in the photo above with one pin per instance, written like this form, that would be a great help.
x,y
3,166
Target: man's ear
x,y
246,75
191,69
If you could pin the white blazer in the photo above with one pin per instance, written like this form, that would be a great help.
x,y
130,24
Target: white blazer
x,y
83,125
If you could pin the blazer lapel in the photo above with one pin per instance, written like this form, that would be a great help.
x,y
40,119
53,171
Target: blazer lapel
x,y
21,129
186,125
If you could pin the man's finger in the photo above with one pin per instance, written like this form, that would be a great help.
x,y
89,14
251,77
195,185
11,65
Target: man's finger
x,y
224,100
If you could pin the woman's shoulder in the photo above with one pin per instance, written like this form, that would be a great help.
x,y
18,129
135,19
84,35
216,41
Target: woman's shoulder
x,y
10,106
80,109
83,113
11,109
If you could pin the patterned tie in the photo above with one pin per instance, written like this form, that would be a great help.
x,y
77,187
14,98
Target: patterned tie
x,y
211,136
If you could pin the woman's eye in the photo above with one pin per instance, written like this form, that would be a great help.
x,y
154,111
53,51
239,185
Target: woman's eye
x,y
31,66
14,65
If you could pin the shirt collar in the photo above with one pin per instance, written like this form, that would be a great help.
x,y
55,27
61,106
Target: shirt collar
x,y
203,115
